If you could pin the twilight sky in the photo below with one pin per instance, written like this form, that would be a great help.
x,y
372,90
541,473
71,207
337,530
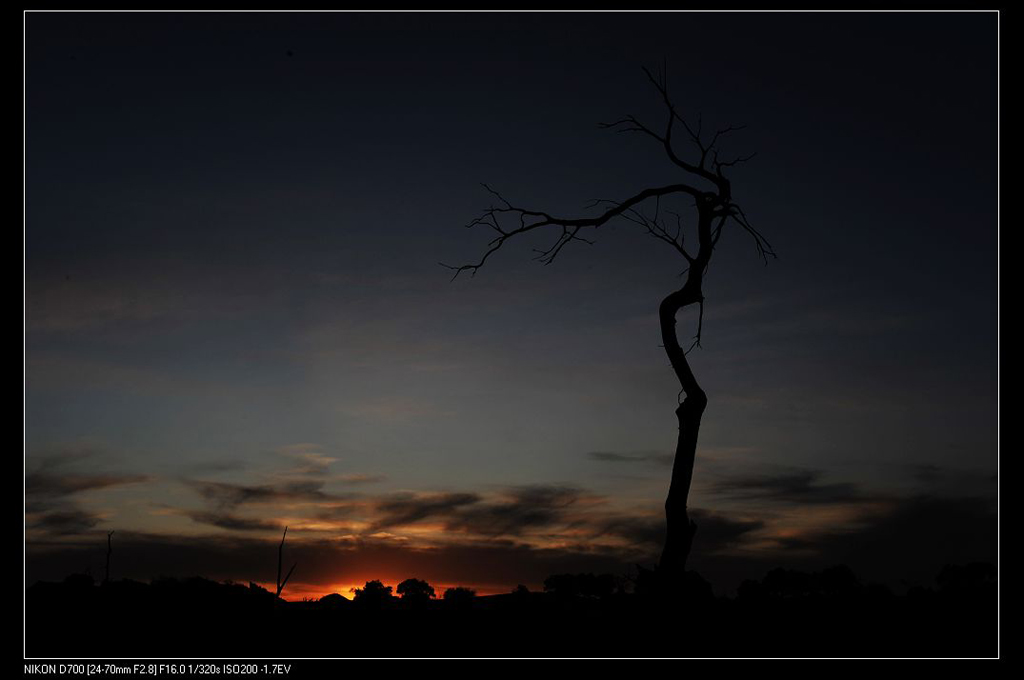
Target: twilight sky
x,y
236,319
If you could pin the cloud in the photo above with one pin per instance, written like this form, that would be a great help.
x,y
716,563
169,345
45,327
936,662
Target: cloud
x,y
537,515
639,530
886,536
523,508
526,533
715,531
632,457
797,485
43,484
409,508
51,478
948,481
67,455
51,491
229,521
514,511
225,495
67,521
356,478
309,460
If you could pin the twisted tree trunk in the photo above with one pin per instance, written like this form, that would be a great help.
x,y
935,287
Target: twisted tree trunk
x,y
680,528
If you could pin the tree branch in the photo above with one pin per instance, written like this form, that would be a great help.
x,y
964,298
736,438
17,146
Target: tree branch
x,y
524,221
280,551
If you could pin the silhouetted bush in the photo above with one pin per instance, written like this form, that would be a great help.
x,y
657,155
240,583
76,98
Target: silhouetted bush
x,y
878,592
750,591
334,601
79,581
656,585
838,581
259,591
971,578
414,591
787,584
583,585
459,597
373,595
645,583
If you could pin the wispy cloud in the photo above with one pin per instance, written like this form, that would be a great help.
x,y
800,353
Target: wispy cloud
x,y
53,489
406,509
715,531
310,461
225,495
520,509
44,484
356,478
656,457
947,481
793,485
67,521
307,460
230,521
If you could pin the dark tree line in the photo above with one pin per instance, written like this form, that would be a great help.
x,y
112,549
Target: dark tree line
x,y
788,613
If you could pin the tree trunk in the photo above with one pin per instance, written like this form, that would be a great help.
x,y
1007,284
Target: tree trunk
x,y
679,527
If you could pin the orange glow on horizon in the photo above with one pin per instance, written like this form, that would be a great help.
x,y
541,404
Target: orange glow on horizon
x,y
313,591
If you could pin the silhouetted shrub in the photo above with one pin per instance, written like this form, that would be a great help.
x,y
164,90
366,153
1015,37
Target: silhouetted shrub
x,y
878,592
79,581
459,597
787,583
583,585
657,585
334,600
919,593
838,581
373,595
645,583
967,579
750,591
259,592
834,582
563,585
414,591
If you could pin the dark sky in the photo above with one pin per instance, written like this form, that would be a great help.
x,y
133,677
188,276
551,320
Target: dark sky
x,y
236,318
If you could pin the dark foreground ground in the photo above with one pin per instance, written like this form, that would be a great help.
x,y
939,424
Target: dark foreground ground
x,y
787,614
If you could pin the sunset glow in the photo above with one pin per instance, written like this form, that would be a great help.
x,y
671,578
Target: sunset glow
x,y
235,319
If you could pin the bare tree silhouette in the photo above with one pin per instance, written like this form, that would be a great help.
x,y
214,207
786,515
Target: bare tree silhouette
x,y
707,184
106,570
280,552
